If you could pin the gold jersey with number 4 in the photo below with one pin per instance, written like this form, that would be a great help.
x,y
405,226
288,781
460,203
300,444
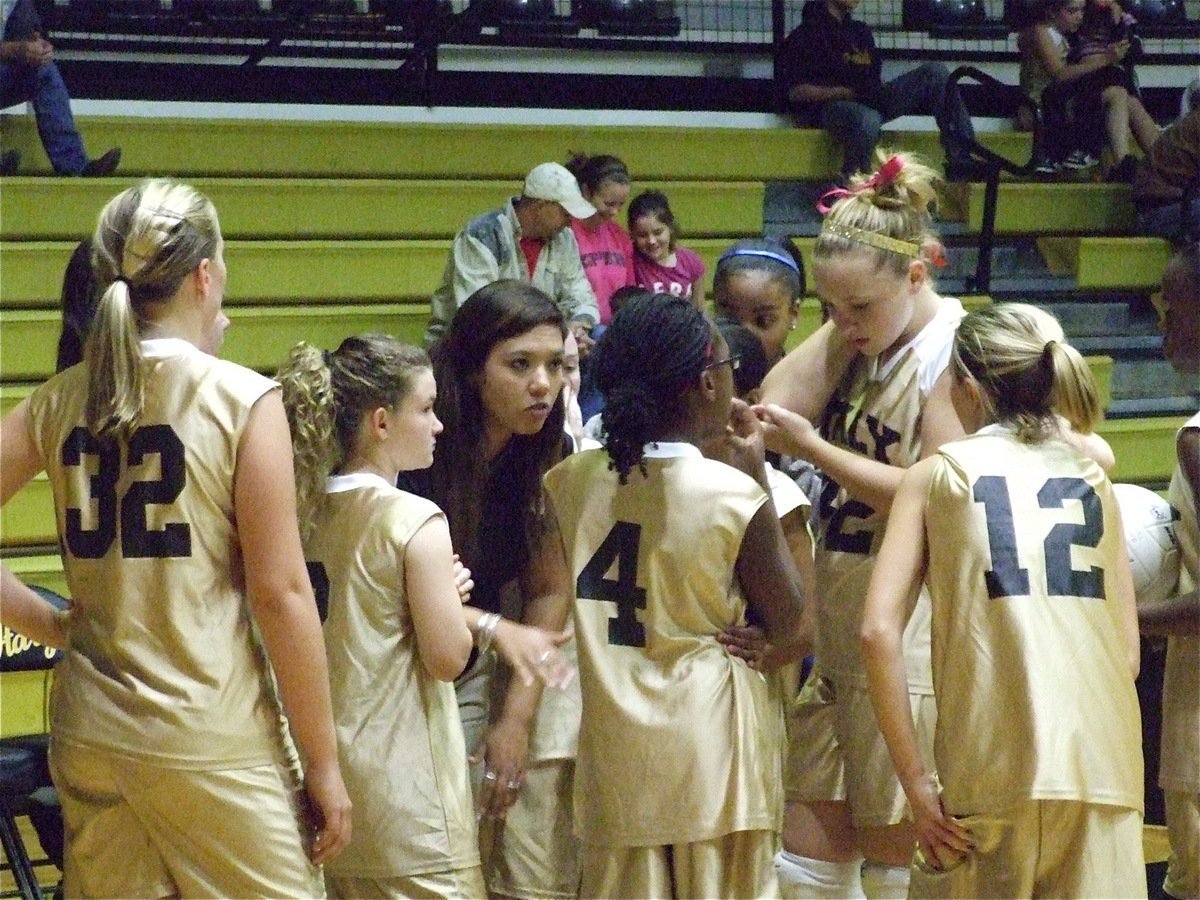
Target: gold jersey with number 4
x,y
678,741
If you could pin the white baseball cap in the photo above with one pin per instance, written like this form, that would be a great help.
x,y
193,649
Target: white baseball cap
x,y
550,181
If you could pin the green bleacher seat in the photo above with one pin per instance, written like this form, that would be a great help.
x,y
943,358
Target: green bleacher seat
x,y
1107,263
1144,448
281,271
40,209
221,147
1044,207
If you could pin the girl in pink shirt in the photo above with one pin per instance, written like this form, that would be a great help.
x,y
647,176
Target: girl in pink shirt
x,y
659,264
604,246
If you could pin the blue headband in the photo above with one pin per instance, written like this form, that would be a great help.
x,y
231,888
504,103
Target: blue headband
x,y
778,255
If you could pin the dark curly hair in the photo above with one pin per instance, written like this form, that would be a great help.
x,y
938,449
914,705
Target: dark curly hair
x,y
651,355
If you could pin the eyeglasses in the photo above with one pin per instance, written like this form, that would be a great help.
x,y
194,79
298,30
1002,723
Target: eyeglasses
x,y
734,362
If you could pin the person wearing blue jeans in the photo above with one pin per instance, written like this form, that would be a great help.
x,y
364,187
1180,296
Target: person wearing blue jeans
x,y
28,73
829,71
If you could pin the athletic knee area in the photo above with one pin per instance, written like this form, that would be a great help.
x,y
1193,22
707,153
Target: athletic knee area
x,y
805,878
883,882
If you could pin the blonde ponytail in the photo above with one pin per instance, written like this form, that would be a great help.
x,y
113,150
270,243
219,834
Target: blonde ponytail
x,y
1018,355
1075,396
148,239
113,356
887,213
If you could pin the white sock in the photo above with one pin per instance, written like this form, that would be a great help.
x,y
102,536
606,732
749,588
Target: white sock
x,y
804,878
882,882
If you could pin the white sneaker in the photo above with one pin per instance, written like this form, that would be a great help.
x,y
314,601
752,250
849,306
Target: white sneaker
x,y
1079,160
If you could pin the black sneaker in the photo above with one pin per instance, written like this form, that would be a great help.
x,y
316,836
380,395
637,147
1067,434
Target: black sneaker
x,y
10,161
104,165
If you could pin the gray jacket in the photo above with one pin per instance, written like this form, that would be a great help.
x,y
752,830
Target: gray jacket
x,y
488,249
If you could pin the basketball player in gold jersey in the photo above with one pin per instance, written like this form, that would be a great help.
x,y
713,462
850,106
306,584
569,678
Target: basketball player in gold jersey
x,y
172,480
381,565
677,787
1179,617
1017,535
862,399
396,630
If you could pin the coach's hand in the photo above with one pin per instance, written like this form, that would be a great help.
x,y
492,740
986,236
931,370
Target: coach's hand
x,y
463,580
533,653
504,751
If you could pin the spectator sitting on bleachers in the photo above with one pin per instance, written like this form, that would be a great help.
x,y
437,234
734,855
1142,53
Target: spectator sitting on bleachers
x,y
28,73
1105,22
829,70
1085,104
605,248
1166,187
526,239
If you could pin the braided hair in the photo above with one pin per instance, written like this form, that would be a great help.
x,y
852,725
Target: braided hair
x,y
651,355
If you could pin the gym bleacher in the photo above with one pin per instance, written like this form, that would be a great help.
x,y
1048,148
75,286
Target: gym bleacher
x,y
338,215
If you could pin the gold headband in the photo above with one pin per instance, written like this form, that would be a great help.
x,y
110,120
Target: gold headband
x,y
872,239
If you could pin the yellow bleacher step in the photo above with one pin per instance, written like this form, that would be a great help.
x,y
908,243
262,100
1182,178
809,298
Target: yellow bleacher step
x,y
281,271
1042,207
27,519
259,337
1144,447
314,208
190,147
1103,263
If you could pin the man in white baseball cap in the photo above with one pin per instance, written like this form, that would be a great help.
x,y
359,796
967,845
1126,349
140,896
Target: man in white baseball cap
x,y
550,181
527,239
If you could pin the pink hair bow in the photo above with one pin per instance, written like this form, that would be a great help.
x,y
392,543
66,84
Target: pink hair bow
x,y
886,175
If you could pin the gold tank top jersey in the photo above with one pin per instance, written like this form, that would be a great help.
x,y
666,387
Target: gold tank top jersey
x,y
1035,699
400,740
1179,767
876,412
679,741
162,664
